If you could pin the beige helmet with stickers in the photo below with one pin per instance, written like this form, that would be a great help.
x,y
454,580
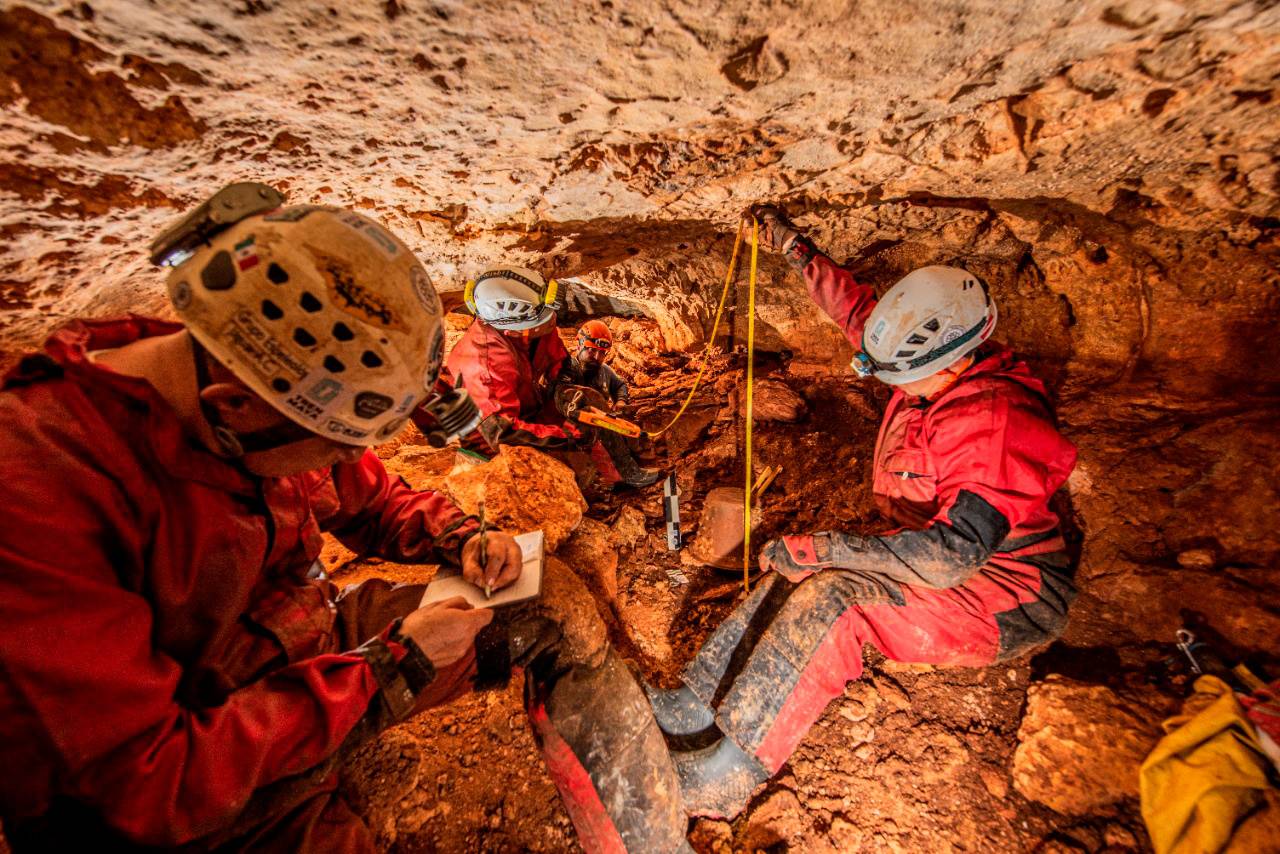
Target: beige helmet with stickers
x,y
320,311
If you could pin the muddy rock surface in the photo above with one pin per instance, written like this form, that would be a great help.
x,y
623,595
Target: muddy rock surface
x,y
1080,746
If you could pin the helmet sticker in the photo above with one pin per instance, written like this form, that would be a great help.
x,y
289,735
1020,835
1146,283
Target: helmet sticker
x,y
255,347
181,296
325,391
406,404
341,429
299,404
423,288
434,360
392,427
354,298
370,404
371,231
878,331
951,333
246,254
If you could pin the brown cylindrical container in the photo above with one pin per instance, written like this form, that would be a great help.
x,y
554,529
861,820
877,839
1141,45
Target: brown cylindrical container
x,y
719,542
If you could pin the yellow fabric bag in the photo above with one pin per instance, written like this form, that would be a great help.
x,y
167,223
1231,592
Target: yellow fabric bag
x,y
1205,776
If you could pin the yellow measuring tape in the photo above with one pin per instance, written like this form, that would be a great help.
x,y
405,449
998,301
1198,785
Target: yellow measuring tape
x,y
751,354
751,361
711,337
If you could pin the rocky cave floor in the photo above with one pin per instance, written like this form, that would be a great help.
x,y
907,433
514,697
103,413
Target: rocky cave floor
x,y
911,758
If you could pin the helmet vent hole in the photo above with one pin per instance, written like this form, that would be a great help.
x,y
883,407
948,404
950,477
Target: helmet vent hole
x,y
902,354
281,385
333,365
370,359
220,273
309,303
276,274
304,338
342,332
933,325
916,338
271,311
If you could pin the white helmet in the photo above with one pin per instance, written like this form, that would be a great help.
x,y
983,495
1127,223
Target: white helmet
x,y
321,312
924,323
511,298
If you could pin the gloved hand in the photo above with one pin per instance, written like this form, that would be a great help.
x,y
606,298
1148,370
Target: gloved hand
x,y
776,230
797,557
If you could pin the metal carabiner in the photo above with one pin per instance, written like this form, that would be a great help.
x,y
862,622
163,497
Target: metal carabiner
x,y
1187,643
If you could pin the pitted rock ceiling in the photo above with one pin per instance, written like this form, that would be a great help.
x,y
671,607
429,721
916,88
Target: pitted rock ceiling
x,y
1110,167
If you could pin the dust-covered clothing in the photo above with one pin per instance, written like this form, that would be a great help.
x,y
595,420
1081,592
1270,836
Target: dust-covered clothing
x,y
600,377
171,674
164,654
511,380
976,570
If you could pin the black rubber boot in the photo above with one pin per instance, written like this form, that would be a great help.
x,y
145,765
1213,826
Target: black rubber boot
x,y
606,757
679,712
717,781
633,474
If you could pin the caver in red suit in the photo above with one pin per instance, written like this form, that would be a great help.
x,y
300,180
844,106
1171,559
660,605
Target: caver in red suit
x,y
171,676
164,654
512,379
975,572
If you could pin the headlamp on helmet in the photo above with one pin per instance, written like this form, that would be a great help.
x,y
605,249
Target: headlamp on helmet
x,y
222,210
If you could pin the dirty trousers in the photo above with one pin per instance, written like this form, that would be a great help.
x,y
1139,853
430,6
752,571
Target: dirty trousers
x,y
771,668
592,721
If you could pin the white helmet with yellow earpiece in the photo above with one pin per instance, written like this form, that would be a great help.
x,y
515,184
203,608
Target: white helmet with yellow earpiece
x,y
512,299
321,312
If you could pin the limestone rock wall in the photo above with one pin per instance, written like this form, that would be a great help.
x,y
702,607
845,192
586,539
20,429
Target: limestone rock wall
x,y
1114,163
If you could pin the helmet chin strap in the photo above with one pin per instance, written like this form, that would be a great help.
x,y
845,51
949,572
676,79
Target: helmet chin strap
x,y
232,444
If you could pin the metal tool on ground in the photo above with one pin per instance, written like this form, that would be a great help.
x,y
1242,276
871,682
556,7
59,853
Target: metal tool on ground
x,y
484,554
1203,659
596,418
671,511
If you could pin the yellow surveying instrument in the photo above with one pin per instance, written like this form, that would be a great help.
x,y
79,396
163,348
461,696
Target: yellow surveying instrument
x,y
596,418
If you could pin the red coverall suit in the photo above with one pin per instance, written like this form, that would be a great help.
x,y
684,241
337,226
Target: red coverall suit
x,y
512,382
510,379
168,672
977,573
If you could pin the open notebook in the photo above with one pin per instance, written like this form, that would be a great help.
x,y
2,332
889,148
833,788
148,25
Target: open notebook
x,y
527,586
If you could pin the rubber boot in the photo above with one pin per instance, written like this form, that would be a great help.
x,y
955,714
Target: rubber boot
x,y
607,757
679,712
633,474
717,781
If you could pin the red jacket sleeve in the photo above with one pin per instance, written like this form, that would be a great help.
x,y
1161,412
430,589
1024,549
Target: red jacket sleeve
x,y
84,691
842,299
383,516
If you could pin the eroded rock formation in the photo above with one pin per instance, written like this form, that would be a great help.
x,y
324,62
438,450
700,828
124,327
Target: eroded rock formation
x,y
1112,168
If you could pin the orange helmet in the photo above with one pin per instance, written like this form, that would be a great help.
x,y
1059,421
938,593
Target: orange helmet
x,y
595,335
